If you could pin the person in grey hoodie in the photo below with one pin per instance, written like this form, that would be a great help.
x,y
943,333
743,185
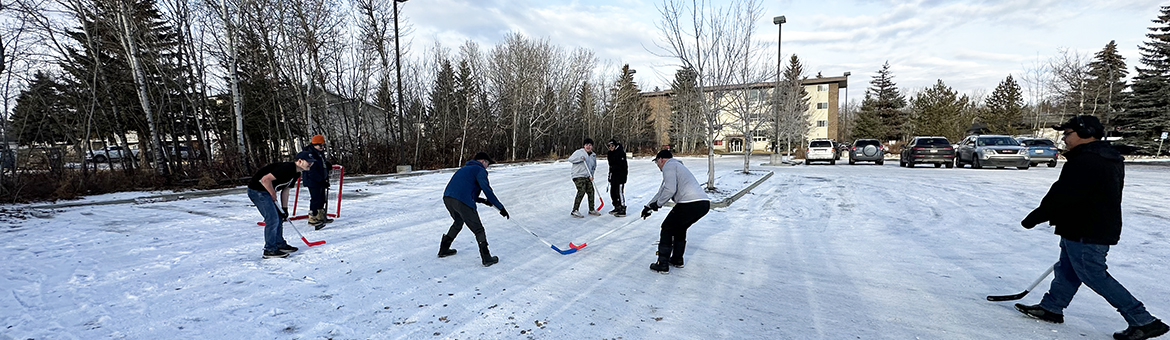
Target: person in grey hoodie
x,y
690,205
584,163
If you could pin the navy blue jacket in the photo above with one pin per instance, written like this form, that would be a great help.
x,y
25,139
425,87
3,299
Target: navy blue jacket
x,y
466,184
318,174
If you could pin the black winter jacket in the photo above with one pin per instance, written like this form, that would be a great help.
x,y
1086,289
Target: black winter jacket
x,y
618,168
1085,202
318,174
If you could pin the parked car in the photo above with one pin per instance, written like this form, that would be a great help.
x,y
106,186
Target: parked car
x,y
820,150
928,149
1041,150
184,151
109,153
992,150
867,150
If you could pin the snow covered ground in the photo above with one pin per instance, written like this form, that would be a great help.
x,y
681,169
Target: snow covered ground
x,y
815,252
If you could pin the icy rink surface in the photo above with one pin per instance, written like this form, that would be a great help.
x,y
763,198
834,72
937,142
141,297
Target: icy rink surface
x,y
815,252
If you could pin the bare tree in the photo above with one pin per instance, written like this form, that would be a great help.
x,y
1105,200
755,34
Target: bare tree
x,y
710,42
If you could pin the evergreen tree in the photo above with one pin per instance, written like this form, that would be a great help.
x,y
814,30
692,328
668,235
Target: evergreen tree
x,y
1106,81
881,113
686,123
1004,113
938,111
792,123
630,115
39,115
1148,109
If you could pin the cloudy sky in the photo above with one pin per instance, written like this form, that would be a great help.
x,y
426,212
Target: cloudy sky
x,y
970,45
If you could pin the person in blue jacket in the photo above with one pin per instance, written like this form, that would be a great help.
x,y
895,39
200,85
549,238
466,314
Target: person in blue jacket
x,y
460,196
316,179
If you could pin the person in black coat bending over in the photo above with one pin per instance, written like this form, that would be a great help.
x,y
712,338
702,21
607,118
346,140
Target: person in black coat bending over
x,y
618,171
460,196
1085,207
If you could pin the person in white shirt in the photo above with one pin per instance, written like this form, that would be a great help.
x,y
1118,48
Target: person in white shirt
x,y
584,163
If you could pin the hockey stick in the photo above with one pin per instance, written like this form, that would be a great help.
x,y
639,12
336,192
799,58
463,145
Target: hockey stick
x,y
571,245
311,244
563,252
1025,292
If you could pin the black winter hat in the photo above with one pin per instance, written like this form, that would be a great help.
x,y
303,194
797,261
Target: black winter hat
x,y
484,156
588,141
1084,125
665,153
613,141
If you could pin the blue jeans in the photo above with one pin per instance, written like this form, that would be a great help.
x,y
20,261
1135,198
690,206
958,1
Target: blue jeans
x,y
273,229
1085,263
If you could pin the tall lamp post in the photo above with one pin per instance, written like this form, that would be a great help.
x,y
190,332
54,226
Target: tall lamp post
x,y
847,73
779,21
398,65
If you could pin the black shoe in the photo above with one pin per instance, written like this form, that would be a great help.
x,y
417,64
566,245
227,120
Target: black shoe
x,y
1037,312
676,263
445,246
286,249
1151,330
488,262
448,252
275,254
659,267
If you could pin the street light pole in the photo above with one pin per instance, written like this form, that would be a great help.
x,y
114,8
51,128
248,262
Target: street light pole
x,y
398,65
779,21
847,73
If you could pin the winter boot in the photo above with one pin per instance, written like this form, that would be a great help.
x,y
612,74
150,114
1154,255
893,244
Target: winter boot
x,y
315,220
1037,312
676,256
488,259
620,211
1151,330
275,254
321,215
445,247
664,249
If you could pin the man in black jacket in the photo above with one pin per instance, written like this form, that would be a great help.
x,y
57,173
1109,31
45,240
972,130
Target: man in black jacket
x,y
618,171
1085,207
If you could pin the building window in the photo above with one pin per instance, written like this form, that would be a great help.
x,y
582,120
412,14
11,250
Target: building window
x,y
822,106
822,123
718,142
822,88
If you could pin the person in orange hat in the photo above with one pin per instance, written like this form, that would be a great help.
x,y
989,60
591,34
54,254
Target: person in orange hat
x,y
316,179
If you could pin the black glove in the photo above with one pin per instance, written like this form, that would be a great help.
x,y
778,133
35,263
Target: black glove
x,y
482,200
653,205
283,214
504,213
1027,224
645,212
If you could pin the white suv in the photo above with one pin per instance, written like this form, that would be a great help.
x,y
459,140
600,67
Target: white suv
x,y
820,150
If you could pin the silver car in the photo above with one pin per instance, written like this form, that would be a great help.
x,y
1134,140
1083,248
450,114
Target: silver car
x,y
992,151
821,150
1041,150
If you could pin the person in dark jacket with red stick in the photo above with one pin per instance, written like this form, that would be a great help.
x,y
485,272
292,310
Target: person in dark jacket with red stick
x,y
262,190
619,170
460,196
1085,207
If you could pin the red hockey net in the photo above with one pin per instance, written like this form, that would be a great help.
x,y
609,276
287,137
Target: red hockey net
x,y
337,177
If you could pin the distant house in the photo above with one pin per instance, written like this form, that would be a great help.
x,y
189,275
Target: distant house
x,y
822,120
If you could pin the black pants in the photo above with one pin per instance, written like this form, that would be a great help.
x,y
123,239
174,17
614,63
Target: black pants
x,y
316,197
617,194
672,240
463,214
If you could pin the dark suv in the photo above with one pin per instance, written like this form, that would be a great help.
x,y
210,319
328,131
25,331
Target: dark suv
x,y
936,150
867,150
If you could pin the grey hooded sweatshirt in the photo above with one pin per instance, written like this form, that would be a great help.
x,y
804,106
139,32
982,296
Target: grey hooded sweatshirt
x,y
584,163
678,184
